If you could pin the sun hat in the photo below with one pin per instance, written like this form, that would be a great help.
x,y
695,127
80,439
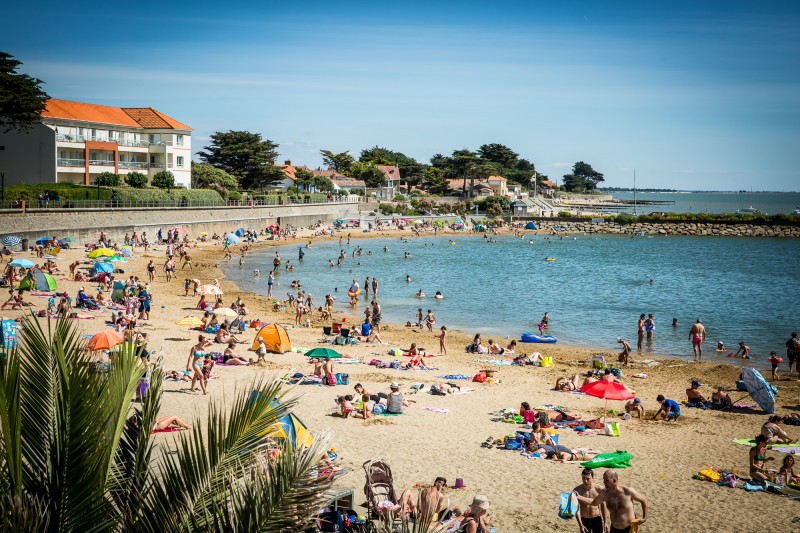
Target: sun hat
x,y
394,385
695,383
479,503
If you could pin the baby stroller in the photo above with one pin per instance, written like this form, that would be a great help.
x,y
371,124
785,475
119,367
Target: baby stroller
x,y
379,490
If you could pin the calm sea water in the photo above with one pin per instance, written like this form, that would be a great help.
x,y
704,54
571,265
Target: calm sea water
x,y
716,202
741,288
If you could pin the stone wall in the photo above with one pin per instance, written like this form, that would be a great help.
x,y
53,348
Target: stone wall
x,y
731,229
84,225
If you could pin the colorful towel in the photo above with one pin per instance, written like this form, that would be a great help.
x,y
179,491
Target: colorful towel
x,y
788,449
752,442
167,430
740,405
496,362
454,377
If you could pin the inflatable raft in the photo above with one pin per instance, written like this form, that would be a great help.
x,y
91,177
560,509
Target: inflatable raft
x,y
617,459
531,337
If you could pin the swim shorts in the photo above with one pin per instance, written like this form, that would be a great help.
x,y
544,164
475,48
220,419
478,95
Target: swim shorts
x,y
593,525
697,339
617,530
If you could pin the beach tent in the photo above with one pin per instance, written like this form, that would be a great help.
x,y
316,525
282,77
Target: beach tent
x,y
99,267
287,427
231,238
126,251
531,225
118,293
240,232
275,339
41,282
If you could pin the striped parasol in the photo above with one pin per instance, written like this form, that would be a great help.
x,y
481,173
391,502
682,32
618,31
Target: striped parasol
x,y
10,240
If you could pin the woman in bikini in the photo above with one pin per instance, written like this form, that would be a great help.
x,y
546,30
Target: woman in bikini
x,y
229,357
151,271
758,456
772,432
195,362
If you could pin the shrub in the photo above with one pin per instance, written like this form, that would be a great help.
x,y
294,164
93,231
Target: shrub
x,y
234,195
136,180
164,180
564,214
357,192
108,179
193,196
386,209
625,219
62,191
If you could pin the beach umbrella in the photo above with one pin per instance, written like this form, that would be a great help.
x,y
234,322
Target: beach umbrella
x,y
189,321
607,390
43,240
323,353
418,222
126,251
226,312
115,259
209,289
180,231
759,390
459,221
10,240
105,340
101,252
231,238
21,263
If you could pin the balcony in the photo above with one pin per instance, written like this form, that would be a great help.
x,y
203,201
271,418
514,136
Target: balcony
x,y
62,137
133,164
156,165
62,162
101,163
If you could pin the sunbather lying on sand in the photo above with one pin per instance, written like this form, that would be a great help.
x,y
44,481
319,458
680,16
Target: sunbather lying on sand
x,y
567,384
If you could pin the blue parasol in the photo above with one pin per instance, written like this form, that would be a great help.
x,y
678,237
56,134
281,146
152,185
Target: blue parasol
x,y
759,390
21,263
43,240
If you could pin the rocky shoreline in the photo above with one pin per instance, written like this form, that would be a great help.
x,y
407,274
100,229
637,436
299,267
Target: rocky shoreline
x,y
691,228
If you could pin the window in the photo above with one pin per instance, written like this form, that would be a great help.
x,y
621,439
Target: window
x,y
179,160
179,142
152,160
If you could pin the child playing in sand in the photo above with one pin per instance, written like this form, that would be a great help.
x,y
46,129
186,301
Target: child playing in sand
x,y
345,405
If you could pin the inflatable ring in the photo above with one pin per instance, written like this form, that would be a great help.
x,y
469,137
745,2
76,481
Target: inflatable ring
x,y
531,337
352,294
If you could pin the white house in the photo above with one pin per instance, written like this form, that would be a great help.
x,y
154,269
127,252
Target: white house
x,y
74,142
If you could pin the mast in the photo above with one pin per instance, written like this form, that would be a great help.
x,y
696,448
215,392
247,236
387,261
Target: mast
x,y
634,191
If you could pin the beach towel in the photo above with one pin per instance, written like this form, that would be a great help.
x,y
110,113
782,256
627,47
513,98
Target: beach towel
x,y
167,430
455,377
569,505
442,410
752,442
789,449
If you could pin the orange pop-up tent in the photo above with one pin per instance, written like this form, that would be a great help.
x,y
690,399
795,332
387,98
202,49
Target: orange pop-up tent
x,y
275,339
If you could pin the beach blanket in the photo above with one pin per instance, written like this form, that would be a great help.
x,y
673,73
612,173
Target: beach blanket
x,y
752,442
442,410
740,405
455,377
787,449
496,362
167,430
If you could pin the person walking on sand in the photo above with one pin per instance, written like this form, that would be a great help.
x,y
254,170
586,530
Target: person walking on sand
x,y
640,332
619,501
442,341
591,518
430,320
698,336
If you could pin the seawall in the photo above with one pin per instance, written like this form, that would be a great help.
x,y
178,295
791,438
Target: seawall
x,y
84,225
723,229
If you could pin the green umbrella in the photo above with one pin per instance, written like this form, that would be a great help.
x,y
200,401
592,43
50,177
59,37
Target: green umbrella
x,y
323,353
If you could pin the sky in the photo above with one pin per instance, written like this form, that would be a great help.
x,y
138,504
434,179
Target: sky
x,y
692,95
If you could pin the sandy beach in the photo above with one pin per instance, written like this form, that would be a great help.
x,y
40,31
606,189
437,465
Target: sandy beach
x,y
442,435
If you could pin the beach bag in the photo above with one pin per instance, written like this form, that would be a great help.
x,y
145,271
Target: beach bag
x,y
379,409
480,377
711,475
543,419
342,379
594,424
330,379
513,444
612,429
547,361
374,362
569,505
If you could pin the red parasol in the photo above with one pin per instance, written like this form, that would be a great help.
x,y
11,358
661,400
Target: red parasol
x,y
607,390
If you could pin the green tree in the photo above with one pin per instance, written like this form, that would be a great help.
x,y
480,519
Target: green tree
x,y
21,98
500,154
323,183
435,181
341,162
73,458
411,171
244,155
304,179
163,180
136,180
205,176
480,170
108,179
371,175
583,178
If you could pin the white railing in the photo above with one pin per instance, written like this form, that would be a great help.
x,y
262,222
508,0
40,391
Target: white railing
x,y
101,163
133,164
63,137
64,162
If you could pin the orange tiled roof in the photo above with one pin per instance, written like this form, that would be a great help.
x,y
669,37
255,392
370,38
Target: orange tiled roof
x,y
136,117
390,171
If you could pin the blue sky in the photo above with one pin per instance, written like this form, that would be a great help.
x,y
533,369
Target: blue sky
x,y
693,95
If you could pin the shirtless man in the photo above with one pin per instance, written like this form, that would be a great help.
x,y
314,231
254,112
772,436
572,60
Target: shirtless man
x,y
698,336
619,500
625,354
591,518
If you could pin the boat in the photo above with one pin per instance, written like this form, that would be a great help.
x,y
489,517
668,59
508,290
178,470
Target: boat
x,y
750,211
532,337
796,211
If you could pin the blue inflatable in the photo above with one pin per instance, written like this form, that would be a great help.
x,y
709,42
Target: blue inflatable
x,y
531,337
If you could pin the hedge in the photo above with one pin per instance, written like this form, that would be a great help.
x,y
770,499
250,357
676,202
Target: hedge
x,y
65,191
130,194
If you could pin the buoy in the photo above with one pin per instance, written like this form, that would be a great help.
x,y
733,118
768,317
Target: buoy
x,y
730,354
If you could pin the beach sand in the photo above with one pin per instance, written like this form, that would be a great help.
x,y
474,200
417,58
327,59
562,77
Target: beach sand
x,y
423,444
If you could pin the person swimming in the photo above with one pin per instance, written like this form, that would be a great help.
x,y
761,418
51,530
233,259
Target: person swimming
x,y
420,294
439,295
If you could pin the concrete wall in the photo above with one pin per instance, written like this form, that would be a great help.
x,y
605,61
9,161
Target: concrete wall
x,y
28,158
85,225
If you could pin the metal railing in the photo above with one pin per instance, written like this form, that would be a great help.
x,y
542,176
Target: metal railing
x,y
64,162
134,164
101,163
63,137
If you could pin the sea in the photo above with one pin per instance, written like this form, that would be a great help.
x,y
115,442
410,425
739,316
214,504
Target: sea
x,y
594,287
771,203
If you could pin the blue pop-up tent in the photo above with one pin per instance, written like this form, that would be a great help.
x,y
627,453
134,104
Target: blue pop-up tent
x,y
530,225
99,267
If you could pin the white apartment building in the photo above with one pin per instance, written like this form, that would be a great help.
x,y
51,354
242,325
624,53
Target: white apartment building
x,y
74,142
